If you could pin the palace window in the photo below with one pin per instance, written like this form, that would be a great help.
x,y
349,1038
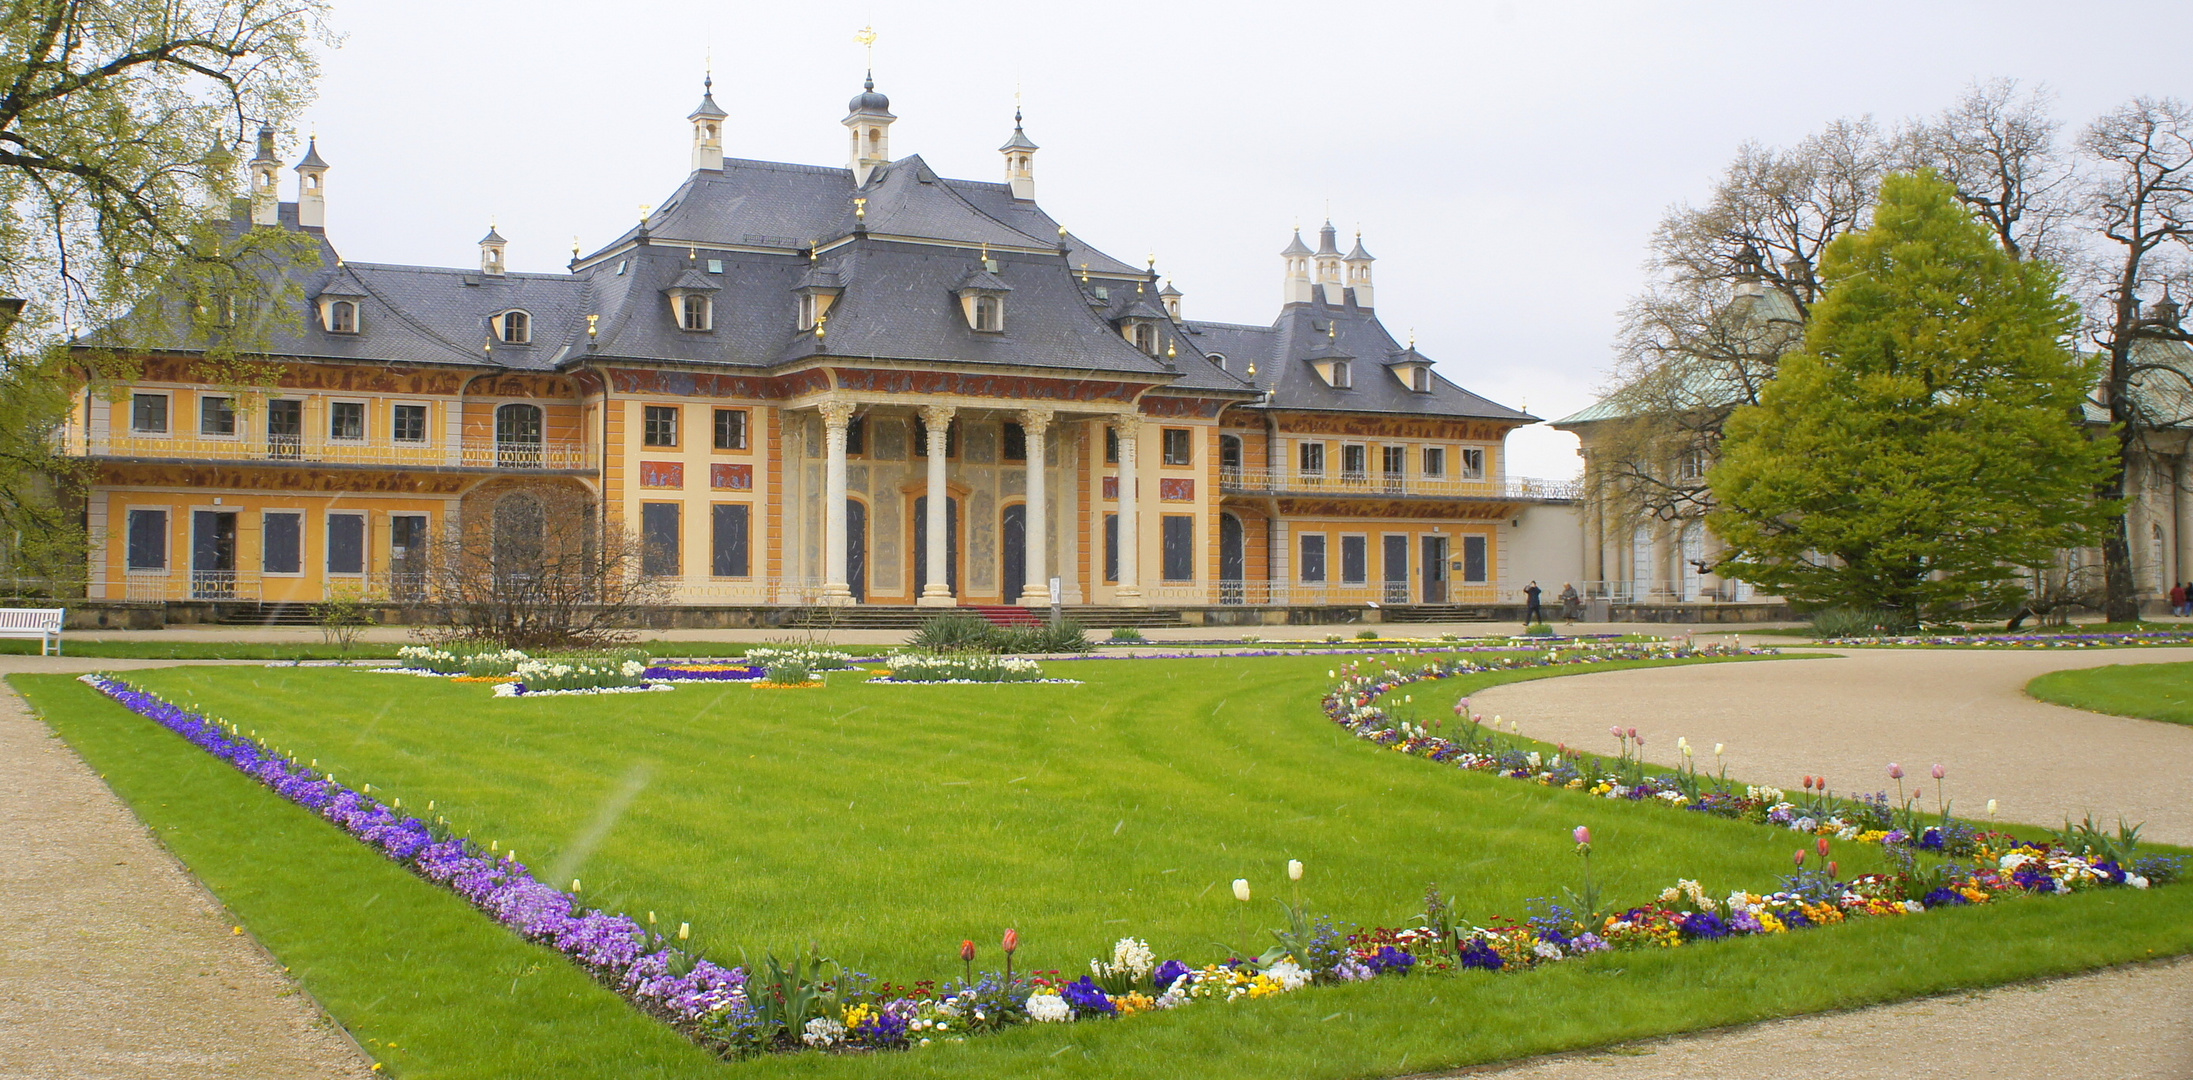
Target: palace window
x,y
989,314
1355,560
1145,337
342,317
282,543
660,426
731,522
1354,461
1111,445
1393,461
148,414
346,420
1313,557
1014,442
285,428
514,327
1178,533
346,552
1111,547
1229,452
694,313
730,429
1313,459
1473,463
856,436
408,423
1691,468
216,416
659,555
1420,380
1179,446
1435,461
807,311
148,539
1342,379
1473,558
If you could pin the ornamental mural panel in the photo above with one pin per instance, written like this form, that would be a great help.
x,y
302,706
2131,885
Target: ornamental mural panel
x,y
723,476
1395,508
1111,487
248,478
1204,408
1176,489
713,385
348,379
1404,427
1015,387
662,474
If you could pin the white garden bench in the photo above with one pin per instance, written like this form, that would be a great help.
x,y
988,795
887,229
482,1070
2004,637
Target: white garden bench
x,y
41,623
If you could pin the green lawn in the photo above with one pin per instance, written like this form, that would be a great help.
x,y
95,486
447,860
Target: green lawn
x,y
887,823
2147,691
182,648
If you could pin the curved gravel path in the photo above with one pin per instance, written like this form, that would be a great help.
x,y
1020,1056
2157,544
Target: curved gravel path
x,y
114,961
1845,718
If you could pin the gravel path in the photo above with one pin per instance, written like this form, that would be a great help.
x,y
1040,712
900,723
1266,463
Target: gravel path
x,y
1845,718
115,962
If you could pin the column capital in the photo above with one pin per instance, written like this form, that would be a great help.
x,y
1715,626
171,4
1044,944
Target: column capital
x,y
936,416
1036,419
836,414
1126,423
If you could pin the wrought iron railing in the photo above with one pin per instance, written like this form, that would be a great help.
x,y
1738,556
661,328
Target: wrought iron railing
x,y
1298,482
471,453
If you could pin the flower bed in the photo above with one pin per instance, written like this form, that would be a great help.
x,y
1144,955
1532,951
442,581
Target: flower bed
x,y
579,673
736,1011
959,668
2019,641
703,672
813,658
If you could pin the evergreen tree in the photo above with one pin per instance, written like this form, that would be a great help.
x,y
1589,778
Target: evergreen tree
x,y
1925,444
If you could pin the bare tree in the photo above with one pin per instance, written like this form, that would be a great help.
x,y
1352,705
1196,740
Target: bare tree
x,y
2138,209
1997,147
540,572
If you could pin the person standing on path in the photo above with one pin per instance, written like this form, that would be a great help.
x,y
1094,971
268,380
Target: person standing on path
x,y
1533,614
1572,604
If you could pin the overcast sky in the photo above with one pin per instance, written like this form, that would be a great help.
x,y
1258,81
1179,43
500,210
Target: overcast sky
x,y
1506,162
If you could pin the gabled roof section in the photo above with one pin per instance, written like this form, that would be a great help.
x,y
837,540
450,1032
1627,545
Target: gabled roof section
x,y
1286,354
906,198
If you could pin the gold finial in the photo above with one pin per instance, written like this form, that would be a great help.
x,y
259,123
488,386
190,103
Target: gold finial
x,y
574,247
1170,352
1252,369
591,329
820,332
1062,232
860,209
645,210
1153,262
690,252
1412,338
985,251
1332,331
1084,273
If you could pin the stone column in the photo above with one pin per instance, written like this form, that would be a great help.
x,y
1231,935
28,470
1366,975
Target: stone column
x,y
2181,498
1035,425
835,416
937,420
1129,592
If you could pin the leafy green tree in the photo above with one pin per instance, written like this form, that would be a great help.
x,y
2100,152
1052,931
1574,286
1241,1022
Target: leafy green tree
x,y
1925,443
120,125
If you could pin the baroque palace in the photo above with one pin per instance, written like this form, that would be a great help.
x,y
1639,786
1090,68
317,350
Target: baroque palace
x,y
776,378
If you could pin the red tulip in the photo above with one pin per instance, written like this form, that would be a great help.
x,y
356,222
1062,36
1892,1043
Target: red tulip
x,y
1832,872
1800,856
1823,847
1012,941
967,952
1808,783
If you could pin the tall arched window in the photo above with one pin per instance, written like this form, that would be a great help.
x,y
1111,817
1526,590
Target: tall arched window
x,y
519,529
514,327
342,317
518,436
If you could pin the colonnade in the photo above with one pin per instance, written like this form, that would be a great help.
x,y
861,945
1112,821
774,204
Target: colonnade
x,y
936,421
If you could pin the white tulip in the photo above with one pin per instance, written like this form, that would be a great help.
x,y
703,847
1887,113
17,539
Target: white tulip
x,y
1241,889
1991,808
1294,869
1717,749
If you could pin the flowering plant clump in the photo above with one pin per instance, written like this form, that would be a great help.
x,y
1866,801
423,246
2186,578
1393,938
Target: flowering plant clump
x,y
578,673
2023,641
815,659
703,672
959,668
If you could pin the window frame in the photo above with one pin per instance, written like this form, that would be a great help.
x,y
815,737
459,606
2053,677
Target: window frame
x,y
524,334
745,550
988,314
228,405
650,434
1308,560
1357,546
716,432
1181,557
426,422
167,412
166,537
1361,452
365,421
686,311
1012,442
1472,460
1343,376
1310,458
297,557
331,320
1186,438
1111,549
649,566
1433,463
365,544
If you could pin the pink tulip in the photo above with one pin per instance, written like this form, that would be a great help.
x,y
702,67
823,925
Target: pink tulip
x,y
1615,731
1582,834
1895,771
1633,733
1940,772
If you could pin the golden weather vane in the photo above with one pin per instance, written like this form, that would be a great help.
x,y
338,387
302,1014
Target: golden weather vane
x,y
867,40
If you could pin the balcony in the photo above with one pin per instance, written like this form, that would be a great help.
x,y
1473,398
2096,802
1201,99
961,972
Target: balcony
x,y
481,454
1390,486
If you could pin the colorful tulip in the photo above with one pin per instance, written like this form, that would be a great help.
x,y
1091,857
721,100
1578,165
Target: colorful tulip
x,y
967,951
1822,847
1012,941
1991,808
1717,749
1832,871
1800,857
1582,834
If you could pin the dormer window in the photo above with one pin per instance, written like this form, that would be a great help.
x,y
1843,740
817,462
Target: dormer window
x,y
982,298
1420,380
1144,336
694,313
339,316
1341,378
513,327
808,307
989,313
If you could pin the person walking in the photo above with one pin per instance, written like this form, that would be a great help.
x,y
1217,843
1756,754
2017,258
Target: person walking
x,y
2177,600
1572,603
1533,614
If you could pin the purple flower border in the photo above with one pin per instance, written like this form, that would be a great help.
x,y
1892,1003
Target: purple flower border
x,y
661,981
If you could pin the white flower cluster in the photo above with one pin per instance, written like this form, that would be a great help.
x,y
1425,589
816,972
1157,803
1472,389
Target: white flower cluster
x,y
429,657
815,659
579,673
1130,957
822,1031
1046,1007
925,667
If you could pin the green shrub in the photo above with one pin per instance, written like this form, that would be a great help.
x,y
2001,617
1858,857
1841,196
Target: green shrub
x,y
787,672
1853,622
1366,635
1127,633
1538,630
956,633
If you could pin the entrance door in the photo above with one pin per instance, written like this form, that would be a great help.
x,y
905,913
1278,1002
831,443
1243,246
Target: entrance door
x,y
1013,533
213,555
856,549
1435,569
407,556
1232,559
921,545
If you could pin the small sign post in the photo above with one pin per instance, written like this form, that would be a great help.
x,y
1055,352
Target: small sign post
x,y
1055,594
